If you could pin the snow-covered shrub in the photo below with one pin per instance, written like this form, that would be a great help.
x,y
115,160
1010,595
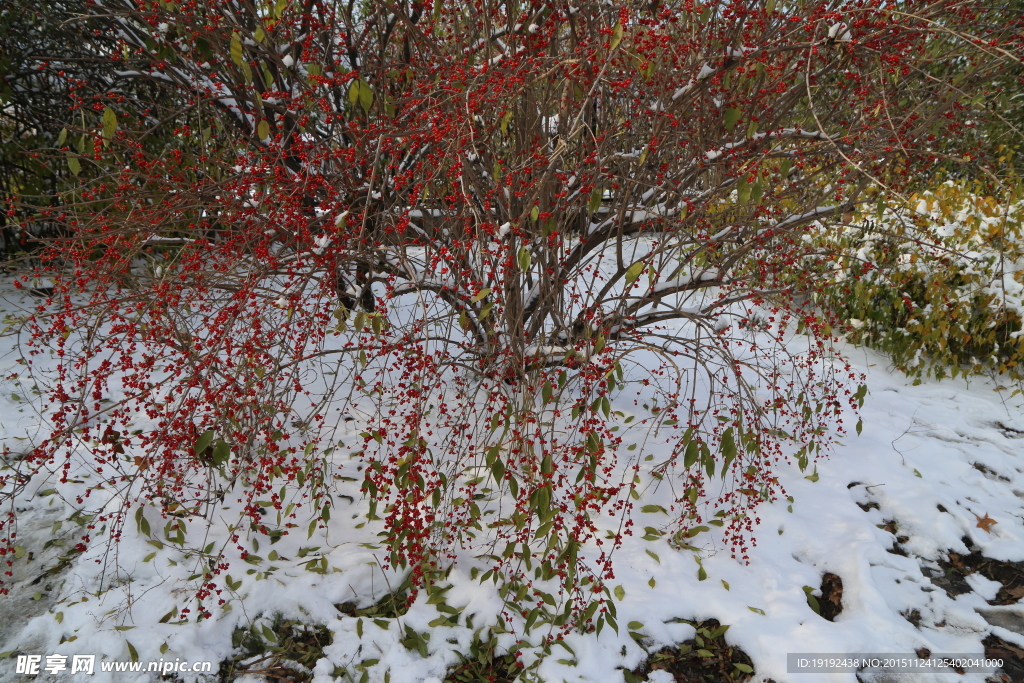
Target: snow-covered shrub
x,y
937,284
453,254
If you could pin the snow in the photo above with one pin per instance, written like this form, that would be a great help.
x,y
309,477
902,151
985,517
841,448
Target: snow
x,y
799,218
934,458
839,32
685,280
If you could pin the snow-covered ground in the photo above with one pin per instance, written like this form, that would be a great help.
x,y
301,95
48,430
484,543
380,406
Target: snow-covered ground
x,y
939,468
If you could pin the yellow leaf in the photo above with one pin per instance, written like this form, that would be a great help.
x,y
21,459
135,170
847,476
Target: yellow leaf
x,y
634,272
616,35
365,96
109,125
236,49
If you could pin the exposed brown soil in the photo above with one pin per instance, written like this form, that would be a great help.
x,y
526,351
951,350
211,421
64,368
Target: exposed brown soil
x,y
957,567
831,600
705,659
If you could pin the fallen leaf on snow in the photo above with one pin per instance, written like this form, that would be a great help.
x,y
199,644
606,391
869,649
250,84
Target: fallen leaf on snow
x,y
985,522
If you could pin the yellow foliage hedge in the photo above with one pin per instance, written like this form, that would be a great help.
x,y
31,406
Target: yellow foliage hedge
x,y
937,285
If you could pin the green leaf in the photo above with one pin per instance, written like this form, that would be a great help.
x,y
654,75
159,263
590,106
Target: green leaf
x,y
728,450
63,137
732,115
203,442
812,602
498,470
620,593
534,213
756,610
633,272
653,508
860,426
744,668
505,120
655,556
143,524
222,452
481,294
595,199
524,259
353,92
74,164
690,456
132,652
757,192
742,191
263,130
709,462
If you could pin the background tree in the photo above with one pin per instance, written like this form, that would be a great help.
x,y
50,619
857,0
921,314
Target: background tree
x,y
55,61
532,204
